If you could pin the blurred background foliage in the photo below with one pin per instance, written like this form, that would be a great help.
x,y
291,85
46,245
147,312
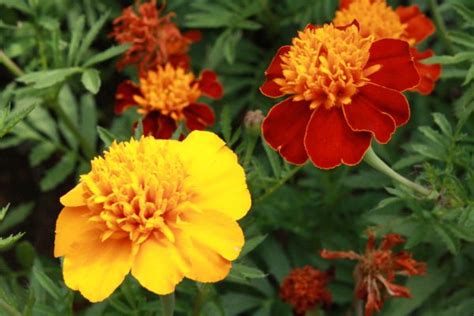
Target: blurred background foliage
x,y
51,105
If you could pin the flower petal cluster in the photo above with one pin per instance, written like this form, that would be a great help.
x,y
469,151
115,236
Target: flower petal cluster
x,y
378,19
342,89
155,40
304,288
168,95
377,268
160,209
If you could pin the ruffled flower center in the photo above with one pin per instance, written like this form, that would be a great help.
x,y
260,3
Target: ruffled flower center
x,y
325,65
375,18
167,90
136,190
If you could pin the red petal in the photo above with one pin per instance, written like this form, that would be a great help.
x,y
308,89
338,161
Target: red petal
x,y
419,26
391,240
363,115
284,129
394,289
193,35
269,87
429,74
374,300
328,254
124,96
158,126
329,141
198,116
344,4
388,101
398,71
182,61
209,85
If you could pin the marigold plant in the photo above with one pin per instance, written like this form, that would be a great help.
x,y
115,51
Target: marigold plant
x,y
341,89
160,209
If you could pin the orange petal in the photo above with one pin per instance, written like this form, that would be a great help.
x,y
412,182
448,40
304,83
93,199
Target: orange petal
x,y
419,26
74,197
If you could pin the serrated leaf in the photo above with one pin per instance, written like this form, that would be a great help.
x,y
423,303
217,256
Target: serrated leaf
x,y
91,80
251,244
59,172
105,136
22,109
443,124
107,54
440,141
40,153
10,240
446,236
48,78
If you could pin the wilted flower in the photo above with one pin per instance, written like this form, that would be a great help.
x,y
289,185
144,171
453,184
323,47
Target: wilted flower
x,y
342,89
169,95
305,288
162,209
377,19
155,39
377,269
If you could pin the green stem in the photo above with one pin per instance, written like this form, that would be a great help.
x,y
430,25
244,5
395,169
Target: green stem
x,y
167,303
86,147
375,162
250,147
441,27
200,298
10,65
312,312
8,308
277,185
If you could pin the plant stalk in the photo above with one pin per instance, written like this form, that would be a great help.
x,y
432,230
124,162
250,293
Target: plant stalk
x,y
10,64
167,303
375,162
441,26
277,185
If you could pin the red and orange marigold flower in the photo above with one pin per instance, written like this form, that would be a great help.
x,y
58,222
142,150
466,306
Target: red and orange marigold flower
x,y
378,19
342,89
377,268
305,288
160,209
155,40
169,95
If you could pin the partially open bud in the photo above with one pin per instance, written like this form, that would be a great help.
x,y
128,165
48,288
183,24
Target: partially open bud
x,y
253,121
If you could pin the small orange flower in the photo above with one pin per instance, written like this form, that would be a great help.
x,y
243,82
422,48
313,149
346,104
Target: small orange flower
x,y
155,40
377,269
170,95
342,89
160,209
304,288
378,19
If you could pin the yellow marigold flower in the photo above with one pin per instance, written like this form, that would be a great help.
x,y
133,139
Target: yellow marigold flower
x,y
162,209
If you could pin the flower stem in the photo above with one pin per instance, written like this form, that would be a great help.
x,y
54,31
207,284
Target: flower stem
x,y
277,185
10,65
312,312
440,26
167,303
375,162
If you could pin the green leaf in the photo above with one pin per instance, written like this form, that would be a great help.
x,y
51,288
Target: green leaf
x,y
22,109
469,75
243,271
273,159
41,120
462,38
105,136
88,120
15,216
447,237
48,78
449,60
138,133
230,46
226,123
19,5
46,283
76,36
58,172
90,37
10,240
41,152
251,244
443,124
91,80
466,13
107,54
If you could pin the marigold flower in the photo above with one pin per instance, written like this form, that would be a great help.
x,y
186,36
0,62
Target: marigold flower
x,y
162,209
342,89
378,19
155,39
169,95
304,288
377,269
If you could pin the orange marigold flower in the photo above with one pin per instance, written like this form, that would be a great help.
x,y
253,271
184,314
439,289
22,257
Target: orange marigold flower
x,y
169,95
342,88
377,269
162,209
304,288
155,39
378,19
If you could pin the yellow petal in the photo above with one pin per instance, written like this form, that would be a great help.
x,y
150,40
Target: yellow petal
x,y
159,266
74,197
215,175
97,268
215,231
206,264
71,225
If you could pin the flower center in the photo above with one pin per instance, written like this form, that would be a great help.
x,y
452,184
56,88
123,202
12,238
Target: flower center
x,y
137,189
325,65
375,18
168,90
